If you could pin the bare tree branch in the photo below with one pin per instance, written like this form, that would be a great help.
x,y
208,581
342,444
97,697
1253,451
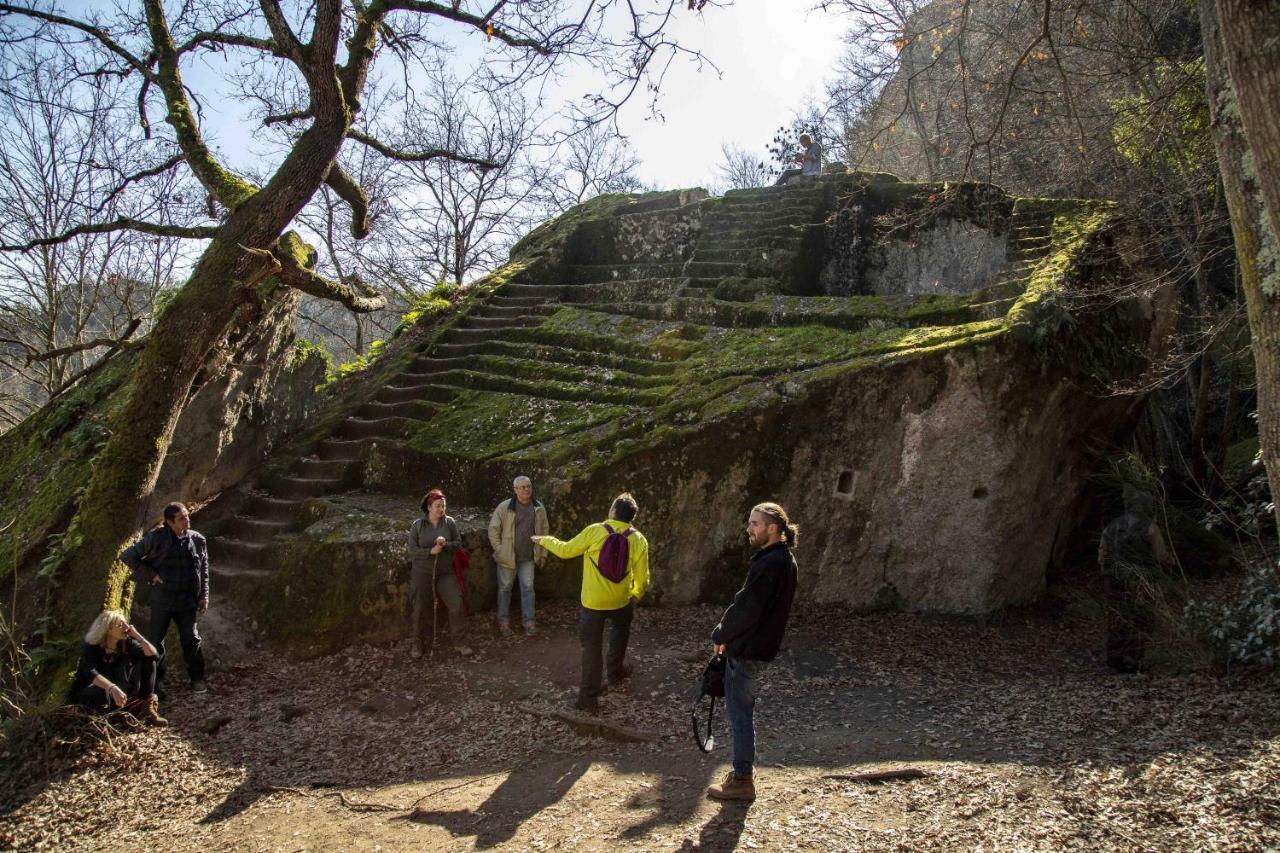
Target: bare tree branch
x,y
230,40
283,35
99,34
308,281
195,232
114,343
484,24
420,156
352,193
287,118
143,175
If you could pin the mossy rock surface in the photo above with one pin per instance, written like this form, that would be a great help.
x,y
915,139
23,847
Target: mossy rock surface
x,y
934,443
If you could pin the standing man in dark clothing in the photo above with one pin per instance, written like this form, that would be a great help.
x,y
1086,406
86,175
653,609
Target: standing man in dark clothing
x,y
173,560
750,634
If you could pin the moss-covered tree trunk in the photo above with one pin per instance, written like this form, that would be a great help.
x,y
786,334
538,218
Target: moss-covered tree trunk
x,y
220,294
1242,64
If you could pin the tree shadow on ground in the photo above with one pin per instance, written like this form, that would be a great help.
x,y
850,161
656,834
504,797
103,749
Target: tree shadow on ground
x,y
524,793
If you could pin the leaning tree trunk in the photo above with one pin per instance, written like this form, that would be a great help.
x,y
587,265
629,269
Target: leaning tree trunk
x,y
221,295
1242,72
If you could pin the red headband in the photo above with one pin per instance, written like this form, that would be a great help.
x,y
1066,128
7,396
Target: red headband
x,y
434,496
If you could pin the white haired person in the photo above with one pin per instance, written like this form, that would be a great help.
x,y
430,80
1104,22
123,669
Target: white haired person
x,y
514,523
117,670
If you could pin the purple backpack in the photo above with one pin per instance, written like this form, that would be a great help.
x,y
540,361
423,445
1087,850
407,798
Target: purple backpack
x,y
615,554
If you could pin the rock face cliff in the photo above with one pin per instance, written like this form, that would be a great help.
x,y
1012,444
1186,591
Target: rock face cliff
x,y
919,372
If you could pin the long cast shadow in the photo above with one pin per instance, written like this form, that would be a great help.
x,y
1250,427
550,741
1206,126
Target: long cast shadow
x,y
523,794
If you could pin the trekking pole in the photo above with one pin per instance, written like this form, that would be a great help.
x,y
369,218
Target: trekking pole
x,y
431,655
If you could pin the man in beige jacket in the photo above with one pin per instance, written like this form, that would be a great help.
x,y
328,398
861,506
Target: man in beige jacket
x,y
514,523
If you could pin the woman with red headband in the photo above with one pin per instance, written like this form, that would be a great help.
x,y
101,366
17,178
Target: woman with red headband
x,y
433,539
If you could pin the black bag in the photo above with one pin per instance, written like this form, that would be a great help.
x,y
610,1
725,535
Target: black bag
x,y
712,688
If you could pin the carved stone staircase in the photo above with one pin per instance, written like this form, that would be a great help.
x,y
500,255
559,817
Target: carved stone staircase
x,y
508,346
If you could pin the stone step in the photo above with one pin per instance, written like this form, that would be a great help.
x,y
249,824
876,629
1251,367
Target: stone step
x,y
589,343
726,231
534,368
471,336
416,410
553,353
407,393
225,549
268,508
503,300
471,321
366,428
301,488
538,293
492,311
236,580
338,448
713,269
731,255
767,210
767,217
547,389
331,469
227,571
590,273
751,242
247,529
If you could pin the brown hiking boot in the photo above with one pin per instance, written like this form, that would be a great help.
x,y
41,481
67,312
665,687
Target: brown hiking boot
x,y
147,710
734,787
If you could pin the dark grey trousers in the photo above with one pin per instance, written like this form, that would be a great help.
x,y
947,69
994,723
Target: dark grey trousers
x,y
591,635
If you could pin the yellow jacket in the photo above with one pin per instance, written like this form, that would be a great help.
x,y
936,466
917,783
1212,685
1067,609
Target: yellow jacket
x,y
599,593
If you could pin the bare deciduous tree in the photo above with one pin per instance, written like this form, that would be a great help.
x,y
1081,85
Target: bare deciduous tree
x,y
741,169
311,63
62,156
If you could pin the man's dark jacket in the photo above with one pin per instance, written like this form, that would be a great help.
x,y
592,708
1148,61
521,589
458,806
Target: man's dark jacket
x,y
752,627
182,562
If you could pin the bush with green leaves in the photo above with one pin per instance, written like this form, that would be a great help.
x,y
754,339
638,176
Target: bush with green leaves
x,y
1245,629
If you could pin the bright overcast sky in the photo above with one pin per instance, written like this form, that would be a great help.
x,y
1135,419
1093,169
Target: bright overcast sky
x,y
772,54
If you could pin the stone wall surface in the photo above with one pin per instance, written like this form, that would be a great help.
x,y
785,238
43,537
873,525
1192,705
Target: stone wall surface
x,y
918,371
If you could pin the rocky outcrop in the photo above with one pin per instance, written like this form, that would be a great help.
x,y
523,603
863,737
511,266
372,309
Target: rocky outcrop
x,y
918,371
261,389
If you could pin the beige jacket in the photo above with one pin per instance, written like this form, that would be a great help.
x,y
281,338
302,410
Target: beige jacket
x,y
502,533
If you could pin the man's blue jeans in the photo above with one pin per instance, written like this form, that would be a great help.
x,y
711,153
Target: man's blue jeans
x,y
506,580
740,685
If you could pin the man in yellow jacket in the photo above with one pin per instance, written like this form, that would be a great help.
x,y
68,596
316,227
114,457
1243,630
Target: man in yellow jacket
x,y
604,599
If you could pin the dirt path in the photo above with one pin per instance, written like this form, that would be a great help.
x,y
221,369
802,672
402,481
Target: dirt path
x,y
1024,740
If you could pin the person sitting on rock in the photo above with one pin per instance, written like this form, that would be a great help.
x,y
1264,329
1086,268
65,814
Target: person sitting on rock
x,y
433,540
117,670
605,599
810,160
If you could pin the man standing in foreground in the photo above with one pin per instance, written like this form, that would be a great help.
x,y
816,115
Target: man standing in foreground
x,y
750,634
174,560
511,530
615,575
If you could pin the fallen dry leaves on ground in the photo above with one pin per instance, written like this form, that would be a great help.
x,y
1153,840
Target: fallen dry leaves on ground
x,y
1021,739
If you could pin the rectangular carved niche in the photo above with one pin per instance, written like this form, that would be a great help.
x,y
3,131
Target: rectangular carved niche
x,y
846,484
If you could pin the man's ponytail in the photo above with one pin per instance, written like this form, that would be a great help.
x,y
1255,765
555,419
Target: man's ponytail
x,y
776,514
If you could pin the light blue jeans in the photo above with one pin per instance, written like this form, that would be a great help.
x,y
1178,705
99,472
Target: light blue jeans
x,y
506,580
